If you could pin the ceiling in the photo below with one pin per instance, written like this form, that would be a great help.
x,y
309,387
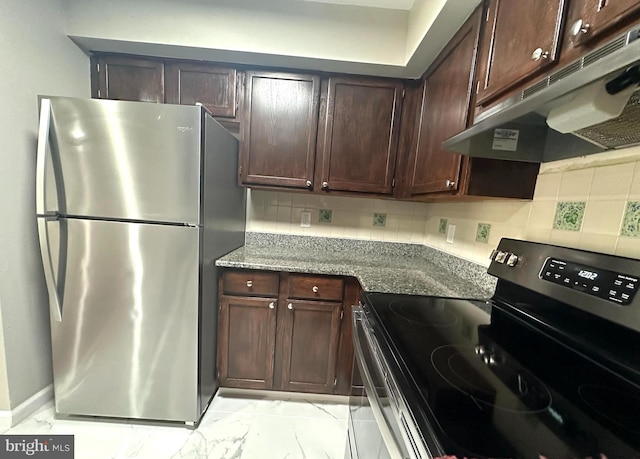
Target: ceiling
x,y
388,4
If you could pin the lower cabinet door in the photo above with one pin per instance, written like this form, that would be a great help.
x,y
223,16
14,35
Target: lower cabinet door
x,y
246,342
310,345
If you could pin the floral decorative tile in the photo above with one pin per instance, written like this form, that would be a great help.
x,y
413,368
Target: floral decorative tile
x,y
324,216
631,220
482,233
442,227
379,219
569,215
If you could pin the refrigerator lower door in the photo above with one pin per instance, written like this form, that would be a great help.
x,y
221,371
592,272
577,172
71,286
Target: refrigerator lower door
x,y
127,344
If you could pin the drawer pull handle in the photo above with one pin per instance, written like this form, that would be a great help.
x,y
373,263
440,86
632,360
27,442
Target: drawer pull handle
x,y
249,283
290,306
272,305
315,289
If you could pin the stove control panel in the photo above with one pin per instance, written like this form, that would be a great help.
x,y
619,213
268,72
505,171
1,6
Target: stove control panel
x,y
616,287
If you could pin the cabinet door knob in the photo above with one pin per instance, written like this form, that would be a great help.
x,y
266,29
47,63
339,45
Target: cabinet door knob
x,y
450,183
309,183
578,30
249,283
272,305
539,53
325,184
315,289
290,306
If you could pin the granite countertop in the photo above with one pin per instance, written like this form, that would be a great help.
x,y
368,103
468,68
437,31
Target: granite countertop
x,y
378,266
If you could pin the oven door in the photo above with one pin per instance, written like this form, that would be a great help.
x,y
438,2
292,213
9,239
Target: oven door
x,y
377,428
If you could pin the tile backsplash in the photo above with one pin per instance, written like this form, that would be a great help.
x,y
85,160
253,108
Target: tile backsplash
x,y
591,203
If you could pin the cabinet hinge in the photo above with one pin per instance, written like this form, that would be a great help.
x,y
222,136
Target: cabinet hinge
x,y
393,183
335,381
341,313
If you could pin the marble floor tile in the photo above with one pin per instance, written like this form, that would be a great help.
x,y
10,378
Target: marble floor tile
x,y
236,425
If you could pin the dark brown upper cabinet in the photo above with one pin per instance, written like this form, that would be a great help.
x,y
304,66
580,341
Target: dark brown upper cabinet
x,y
128,78
442,111
211,85
590,22
358,135
439,107
280,127
521,40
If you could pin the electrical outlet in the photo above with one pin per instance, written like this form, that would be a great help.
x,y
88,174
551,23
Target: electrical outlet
x,y
451,232
305,219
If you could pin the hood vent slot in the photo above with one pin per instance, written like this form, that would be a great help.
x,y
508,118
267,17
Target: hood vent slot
x,y
609,48
618,132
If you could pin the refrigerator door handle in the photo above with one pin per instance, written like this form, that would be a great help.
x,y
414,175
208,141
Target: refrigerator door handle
x,y
47,263
42,153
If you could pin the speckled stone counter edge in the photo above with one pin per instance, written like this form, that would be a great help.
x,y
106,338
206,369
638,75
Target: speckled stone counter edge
x,y
464,269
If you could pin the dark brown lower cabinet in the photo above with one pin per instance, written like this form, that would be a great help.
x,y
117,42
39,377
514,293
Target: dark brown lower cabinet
x,y
285,331
310,330
247,326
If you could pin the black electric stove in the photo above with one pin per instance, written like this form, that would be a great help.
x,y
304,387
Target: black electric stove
x,y
552,372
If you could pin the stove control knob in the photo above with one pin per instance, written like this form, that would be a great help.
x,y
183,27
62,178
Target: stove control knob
x,y
491,360
480,349
501,256
512,260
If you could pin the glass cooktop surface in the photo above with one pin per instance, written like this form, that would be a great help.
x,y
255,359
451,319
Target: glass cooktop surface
x,y
491,386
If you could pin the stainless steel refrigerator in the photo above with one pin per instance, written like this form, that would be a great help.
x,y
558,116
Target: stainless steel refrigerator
x,y
135,201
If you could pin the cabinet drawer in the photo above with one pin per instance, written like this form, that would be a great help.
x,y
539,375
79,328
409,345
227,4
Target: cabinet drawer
x,y
315,287
250,283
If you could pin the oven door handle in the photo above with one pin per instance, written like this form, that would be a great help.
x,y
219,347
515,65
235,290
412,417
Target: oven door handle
x,y
370,389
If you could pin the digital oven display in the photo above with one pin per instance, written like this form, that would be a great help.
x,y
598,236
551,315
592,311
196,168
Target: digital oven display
x,y
615,287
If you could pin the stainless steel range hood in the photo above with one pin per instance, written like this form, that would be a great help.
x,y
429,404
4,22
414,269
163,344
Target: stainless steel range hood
x,y
571,99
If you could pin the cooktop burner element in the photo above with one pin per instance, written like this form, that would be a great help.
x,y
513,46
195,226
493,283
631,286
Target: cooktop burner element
x,y
424,311
483,374
616,406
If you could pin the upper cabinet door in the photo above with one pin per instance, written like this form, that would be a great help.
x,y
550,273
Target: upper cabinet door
x,y
280,127
443,112
212,86
130,78
359,134
590,19
520,40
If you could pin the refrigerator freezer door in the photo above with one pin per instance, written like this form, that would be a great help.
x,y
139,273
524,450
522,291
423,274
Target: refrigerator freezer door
x,y
127,345
125,160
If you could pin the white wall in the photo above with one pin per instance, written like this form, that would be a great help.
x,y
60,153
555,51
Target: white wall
x,y
605,182
278,33
37,58
242,31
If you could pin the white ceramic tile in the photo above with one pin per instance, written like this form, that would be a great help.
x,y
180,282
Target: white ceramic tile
x,y
270,198
611,182
547,187
565,238
575,185
628,247
634,191
285,199
603,243
542,214
603,217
